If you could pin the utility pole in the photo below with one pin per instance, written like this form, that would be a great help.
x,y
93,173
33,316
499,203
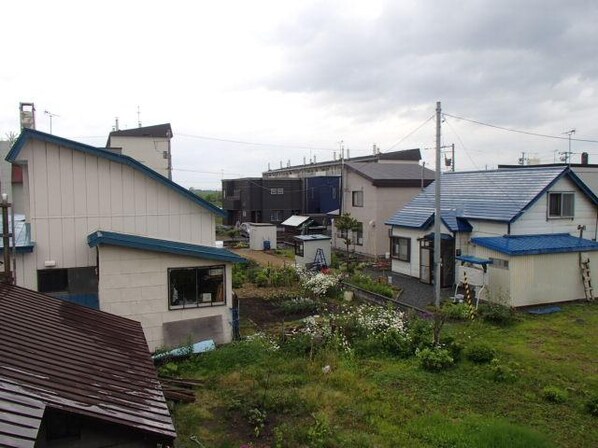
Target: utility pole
x,y
437,217
453,158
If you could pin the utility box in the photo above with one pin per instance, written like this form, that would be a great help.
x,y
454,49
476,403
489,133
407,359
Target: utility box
x,y
262,236
312,250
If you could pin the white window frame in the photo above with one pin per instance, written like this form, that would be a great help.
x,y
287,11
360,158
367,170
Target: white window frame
x,y
357,198
561,214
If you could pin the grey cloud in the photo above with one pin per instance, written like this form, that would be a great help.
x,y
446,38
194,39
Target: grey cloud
x,y
484,56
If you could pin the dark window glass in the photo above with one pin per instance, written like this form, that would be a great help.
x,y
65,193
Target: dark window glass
x,y
195,287
52,280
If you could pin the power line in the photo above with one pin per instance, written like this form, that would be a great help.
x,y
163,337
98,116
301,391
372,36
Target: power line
x,y
535,134
410,133
243,142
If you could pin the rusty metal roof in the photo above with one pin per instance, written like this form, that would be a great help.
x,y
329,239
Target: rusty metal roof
x,y
61,355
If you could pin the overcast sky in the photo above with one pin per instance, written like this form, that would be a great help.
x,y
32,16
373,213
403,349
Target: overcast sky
x,y
299,77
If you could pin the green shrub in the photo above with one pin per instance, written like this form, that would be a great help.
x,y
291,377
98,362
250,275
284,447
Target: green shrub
x,y
503,373
456,311
365,282
453,346
261,279
554,394
592,406
299,305
497,313
435,359
480,353
420,333
298,345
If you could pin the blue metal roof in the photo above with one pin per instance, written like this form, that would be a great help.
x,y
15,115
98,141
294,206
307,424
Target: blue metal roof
x,y
496,195
473,260
27,134
153,244
536,244
23,241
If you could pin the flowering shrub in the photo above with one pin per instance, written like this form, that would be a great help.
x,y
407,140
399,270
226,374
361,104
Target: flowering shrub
x,y
264,341
298,305
317,284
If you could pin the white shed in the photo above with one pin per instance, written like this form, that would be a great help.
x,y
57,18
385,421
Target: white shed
x,y
262,236
312,249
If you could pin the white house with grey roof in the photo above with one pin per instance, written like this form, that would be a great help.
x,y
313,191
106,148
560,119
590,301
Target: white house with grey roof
x,y
525,222
106,231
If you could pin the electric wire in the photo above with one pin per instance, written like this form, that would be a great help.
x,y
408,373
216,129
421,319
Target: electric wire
x,y
518,131
410,133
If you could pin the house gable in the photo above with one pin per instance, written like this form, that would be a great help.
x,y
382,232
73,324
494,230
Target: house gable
x,y
30,134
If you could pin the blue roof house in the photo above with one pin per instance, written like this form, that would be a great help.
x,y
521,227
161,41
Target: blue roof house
x,y
104,230
525,221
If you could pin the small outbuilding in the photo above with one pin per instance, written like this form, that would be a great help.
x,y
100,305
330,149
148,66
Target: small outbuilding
x,y
262,236
312,250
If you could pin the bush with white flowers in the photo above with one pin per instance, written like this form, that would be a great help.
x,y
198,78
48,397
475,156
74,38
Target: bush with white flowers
x,y
317,284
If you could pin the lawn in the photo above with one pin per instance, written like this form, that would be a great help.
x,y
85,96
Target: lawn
x,y
257,396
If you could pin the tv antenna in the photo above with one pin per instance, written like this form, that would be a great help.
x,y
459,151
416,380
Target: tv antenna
x,y
138,117
51,115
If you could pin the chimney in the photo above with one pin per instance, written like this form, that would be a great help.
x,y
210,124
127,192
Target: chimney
x,y
27,114
584,158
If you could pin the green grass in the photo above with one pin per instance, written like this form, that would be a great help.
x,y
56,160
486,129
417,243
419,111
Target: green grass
x,y
389,402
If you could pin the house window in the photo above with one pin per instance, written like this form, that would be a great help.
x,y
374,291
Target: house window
x,y
561,205
357,198
358,235
400,248
196,287
499,263
299,248
68,281
275,191
280,190
276,215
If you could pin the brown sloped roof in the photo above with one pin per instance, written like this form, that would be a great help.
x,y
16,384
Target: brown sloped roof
x,y
158,131
79,360
392,174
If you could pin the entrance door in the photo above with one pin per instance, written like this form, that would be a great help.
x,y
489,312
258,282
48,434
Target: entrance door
x,y
426,261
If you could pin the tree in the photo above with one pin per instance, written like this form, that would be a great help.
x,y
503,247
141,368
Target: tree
x,y
344,224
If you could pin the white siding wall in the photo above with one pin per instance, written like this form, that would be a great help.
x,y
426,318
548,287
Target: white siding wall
x,y
72,194
147,150
411,268
309,252
134,284
535,219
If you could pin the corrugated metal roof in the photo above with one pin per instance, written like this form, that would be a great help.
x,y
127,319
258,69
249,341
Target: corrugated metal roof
x,y
295,221
392,174
27,134
20,415
496,195
23,241
79,360
153,244
536,244
312,237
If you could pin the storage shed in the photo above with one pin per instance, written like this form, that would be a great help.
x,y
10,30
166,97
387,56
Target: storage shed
x,y
262,236
312,250
537,269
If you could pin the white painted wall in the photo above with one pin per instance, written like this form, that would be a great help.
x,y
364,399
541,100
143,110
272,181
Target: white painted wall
x,y
535,220
134,284
310,249
147,150
261,233
70,194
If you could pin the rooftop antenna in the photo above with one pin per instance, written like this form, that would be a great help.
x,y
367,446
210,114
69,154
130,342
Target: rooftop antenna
x,y
138,117
115,127
567,155
51,115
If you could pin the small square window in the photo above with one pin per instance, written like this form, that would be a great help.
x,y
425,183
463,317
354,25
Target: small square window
x,y
299,248
358,235
561,205
400,248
